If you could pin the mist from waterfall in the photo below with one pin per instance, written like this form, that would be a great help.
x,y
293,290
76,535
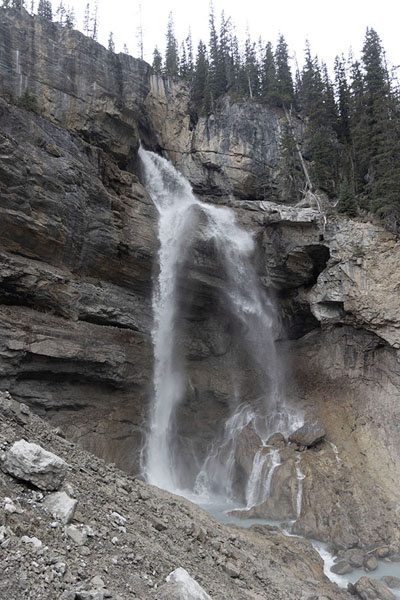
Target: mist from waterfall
x,y
180,212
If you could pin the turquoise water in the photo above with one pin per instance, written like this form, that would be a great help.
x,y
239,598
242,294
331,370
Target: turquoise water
x,y
220,511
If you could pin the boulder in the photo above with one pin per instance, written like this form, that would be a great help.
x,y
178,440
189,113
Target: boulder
x,y
370,563
308,435
32,463
391,581
277,440
341,567
77,535
13,410
355,557
181,586
370,589
61,506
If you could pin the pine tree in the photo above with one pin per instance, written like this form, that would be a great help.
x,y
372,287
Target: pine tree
x,y
382,120
343,100
86,20
70,18
111,43
157,61
269,84
61,13
200,87
189,54
171,52
347,202
213,58
251,68
95,22
45,10
283,74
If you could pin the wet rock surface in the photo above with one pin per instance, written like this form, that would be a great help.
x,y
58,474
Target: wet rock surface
x,y
112,549
370,589
77,246
308,435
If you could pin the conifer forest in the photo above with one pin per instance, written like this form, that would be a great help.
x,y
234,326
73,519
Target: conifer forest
x,y
350,114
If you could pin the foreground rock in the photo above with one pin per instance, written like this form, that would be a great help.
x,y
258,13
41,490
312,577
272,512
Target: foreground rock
x,y
370,589
181,586
61,506
32,463
391,581
126,538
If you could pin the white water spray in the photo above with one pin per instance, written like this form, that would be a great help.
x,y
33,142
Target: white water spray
x,y
179,212
300,477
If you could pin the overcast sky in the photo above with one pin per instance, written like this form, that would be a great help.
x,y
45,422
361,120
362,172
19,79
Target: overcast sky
x,y
331,27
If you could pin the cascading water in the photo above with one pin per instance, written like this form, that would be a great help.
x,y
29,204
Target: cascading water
x,y
180,212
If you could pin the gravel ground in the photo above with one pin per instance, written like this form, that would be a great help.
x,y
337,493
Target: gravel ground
x,y
126,537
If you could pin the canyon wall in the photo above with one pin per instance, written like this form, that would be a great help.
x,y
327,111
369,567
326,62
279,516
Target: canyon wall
x,y
78,241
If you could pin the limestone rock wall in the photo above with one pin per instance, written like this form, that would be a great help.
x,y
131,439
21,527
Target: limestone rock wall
x,y
77,248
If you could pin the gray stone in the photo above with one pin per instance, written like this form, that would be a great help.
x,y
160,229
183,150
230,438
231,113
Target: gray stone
x,y
11,506
370,589
370,563
355,557
90,595
391,581
277,440
341,567
61,506
76,534
382,552
13,410
97,581
30,462
181,586
308,435
33,541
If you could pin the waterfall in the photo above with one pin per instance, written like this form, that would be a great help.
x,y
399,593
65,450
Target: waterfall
x,y
181,214
300,477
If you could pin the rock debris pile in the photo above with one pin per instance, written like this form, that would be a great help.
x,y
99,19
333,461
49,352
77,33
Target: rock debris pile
x,y
74,528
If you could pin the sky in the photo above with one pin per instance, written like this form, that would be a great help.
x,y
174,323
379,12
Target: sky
x,y
331,27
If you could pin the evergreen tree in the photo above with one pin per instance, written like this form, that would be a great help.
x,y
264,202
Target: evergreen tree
x,y
157,61
269,84
111,43
189,54
95,22
45,10
183,66
61,13
382,119
251,68
347,202
213,59
200,88
343,100
171,52
70,18
86,20
283,74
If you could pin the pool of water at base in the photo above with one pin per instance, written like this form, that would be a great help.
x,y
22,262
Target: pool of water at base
x,y
220,511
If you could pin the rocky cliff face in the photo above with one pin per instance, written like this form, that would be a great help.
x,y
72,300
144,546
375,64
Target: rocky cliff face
x,y
77,248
